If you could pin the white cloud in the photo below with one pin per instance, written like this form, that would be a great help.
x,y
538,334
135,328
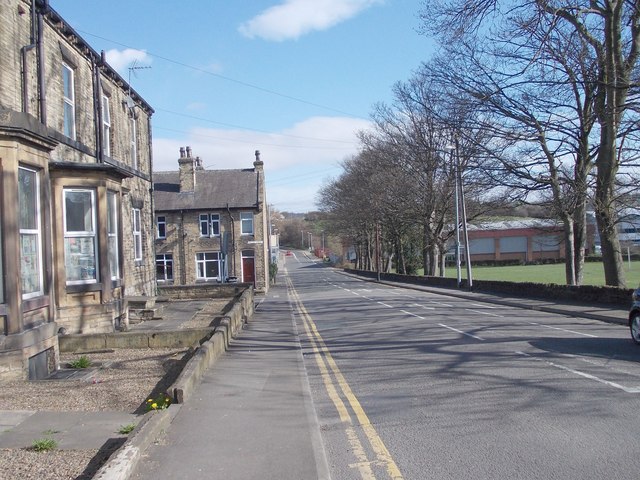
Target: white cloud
x,y
121,59
296,160
312,142
294,18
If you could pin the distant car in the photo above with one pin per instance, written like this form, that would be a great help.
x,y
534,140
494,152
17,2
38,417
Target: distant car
x,y
289,253
634,317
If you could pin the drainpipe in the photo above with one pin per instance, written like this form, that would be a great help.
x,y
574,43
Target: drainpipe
x,y
95,71
40,51
100,136
183,257
153,212
233,242
25,65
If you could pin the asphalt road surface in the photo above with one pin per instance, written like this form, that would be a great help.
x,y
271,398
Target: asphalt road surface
x,y
417,385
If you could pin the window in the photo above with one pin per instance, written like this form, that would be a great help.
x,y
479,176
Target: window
x,y
161,225
137,235
133,147
30,233
164,267
246,223
106,125
112,235
208,266
80,252
69,102
209,224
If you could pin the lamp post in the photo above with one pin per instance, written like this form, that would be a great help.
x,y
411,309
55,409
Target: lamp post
x,y
467,253
453,149
310,241
302,238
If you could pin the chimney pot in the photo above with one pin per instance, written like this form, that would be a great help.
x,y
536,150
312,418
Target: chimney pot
x,y
181,152
188,152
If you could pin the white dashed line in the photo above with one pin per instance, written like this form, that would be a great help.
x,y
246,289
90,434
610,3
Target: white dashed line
x,y
461,332
583,374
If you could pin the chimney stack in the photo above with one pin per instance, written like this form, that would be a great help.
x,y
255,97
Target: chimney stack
x,y
187,171
258,164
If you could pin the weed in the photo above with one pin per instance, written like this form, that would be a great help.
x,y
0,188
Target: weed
x,y
126,429
82,362
44,445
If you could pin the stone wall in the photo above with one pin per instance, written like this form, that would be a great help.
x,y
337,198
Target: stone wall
x,y
584,293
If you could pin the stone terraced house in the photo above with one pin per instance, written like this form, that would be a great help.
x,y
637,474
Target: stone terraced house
x,y
211,225
76,225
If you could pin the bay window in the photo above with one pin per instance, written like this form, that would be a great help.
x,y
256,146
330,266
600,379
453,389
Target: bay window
x,y
30,233
112,235
137,235
80,242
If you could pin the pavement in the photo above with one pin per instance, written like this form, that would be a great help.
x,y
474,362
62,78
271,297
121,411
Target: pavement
x,y
258,381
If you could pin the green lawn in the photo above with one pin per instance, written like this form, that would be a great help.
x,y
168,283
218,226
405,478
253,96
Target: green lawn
x,y
593,273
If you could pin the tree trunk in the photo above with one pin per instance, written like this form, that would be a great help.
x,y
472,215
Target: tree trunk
x,y
579,239
569,262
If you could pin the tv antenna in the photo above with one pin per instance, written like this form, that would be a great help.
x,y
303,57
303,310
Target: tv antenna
x,y
132,70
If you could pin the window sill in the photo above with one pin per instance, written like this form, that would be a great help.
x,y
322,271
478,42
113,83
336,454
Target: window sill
x,y
82,288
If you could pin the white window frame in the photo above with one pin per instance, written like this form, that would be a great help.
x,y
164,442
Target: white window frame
x,y
106,125
245,217
207,222
161,233
91,235
133,148
164,259
201,265
36,236
137,234
69,102
113,247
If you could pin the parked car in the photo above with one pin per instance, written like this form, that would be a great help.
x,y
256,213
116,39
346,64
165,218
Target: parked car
x,y
634,317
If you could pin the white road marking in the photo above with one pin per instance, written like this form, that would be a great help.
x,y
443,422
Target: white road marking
x,y
385,305
412,314
482,305
562,329
422,306
583,374
461,332
484,313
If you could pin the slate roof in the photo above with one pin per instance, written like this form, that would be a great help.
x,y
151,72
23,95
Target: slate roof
x,y
215,189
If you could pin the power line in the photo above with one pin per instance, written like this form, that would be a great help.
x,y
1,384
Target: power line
x,y
223,77
252,142
251,129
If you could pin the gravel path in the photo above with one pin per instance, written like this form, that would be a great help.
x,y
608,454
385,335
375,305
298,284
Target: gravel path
x,y
119,380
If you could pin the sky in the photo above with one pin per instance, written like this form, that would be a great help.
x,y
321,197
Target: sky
x,y
295,79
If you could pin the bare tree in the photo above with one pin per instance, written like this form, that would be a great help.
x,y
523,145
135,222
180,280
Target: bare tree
x,y
600,40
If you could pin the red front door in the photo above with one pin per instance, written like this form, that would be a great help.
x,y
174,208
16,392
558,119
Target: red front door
x,y
248,270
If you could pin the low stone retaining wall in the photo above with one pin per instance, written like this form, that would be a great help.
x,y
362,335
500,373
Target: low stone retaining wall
x,y
169,339
583,293
202,290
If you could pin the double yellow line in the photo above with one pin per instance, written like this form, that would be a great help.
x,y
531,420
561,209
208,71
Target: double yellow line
x,y
335,383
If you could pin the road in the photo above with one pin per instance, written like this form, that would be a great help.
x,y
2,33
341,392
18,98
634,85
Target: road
x,y
416,385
